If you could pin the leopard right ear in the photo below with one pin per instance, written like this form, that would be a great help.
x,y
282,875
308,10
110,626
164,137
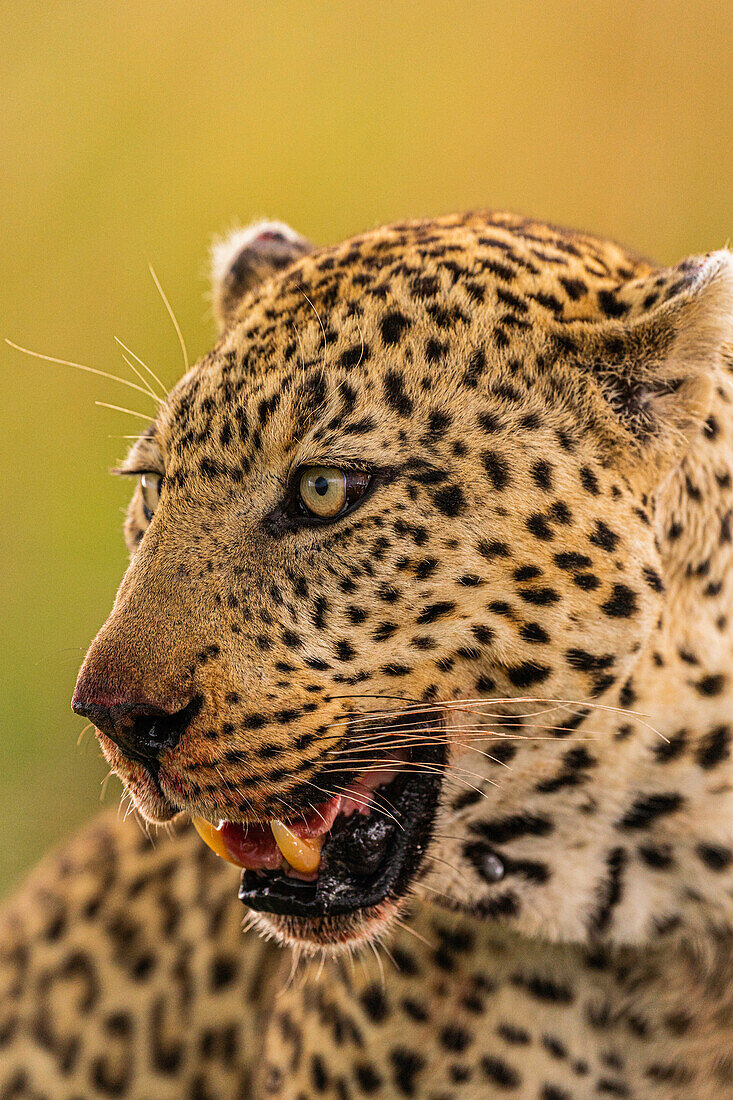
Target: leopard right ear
x,y
247,257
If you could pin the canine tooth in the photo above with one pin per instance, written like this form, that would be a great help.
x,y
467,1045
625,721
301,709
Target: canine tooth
x,y
213,838
302,855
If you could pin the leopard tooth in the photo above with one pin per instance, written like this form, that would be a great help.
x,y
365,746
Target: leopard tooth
x,y
212,837
302,855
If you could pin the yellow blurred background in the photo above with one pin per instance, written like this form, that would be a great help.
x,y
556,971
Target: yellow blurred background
x,y
134,131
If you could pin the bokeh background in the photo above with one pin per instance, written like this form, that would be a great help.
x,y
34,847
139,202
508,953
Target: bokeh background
x,y
132,132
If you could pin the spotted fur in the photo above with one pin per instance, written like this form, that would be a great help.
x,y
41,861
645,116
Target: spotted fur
x,y
548,531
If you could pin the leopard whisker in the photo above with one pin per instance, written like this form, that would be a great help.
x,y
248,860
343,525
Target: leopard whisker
x,y
416,705
119,408
144,365
89,725
138,374
413,932
318,317
172,316
379,962
448,771
88,370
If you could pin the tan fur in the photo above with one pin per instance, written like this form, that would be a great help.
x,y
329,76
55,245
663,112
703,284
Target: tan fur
x,y
551,537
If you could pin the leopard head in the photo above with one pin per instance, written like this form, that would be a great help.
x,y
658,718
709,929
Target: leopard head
x,y
395,555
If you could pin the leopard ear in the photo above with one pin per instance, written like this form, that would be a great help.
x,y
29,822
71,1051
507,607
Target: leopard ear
x,y
247,257
656,355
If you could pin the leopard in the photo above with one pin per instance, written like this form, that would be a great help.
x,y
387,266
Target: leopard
x,y
430,579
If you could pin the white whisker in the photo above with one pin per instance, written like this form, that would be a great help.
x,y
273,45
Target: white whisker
x,y
119,408
81,366
172,315
145,366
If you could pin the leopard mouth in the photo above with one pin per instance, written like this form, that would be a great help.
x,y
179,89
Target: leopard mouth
x,y
357,850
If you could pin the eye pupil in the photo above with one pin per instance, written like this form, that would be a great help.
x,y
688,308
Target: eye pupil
x,y
321,486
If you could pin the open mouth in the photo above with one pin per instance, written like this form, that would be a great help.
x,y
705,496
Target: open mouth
x,y
352,852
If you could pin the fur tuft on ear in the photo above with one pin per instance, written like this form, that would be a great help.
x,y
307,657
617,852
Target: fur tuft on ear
x,y
247,257
655,358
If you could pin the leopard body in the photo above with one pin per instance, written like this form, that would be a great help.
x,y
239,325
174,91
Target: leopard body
x,y
539,572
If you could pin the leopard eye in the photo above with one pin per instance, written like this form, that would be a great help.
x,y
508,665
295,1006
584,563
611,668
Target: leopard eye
x,y
326,491
150,485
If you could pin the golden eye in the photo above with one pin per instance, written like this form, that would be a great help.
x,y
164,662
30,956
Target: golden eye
x,y
326,491
150,484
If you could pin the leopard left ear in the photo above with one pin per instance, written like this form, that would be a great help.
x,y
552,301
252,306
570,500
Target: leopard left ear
x,y
247,257
655,357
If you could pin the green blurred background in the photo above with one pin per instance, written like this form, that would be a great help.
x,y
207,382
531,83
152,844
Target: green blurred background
x,y
132,132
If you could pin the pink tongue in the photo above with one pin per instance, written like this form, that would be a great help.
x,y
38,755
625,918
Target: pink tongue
x,y
253,846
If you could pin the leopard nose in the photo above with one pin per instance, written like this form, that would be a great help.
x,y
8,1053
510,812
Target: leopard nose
x,y
141,729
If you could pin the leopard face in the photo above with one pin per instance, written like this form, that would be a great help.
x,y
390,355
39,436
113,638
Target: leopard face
x,y
408,504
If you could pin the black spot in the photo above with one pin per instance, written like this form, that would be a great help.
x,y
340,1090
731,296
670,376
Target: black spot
x,y
375,1004
500,1073
715,856
407,1064
533,632
353,356
449,500
435,350
611,305
345,650
438,422
621,604
455,1038
540,597
491,550
604,537
544,989
653,579
223,972
672,748
714,747
516,1036
587,581
527,573
319,1076
710,685
538,526
610,891
656,856
572,560
435,611
589,481
489,422
528,674
647,808
497,469
542,474
393,326
367,1078
501,830
394,393
589,662
574,288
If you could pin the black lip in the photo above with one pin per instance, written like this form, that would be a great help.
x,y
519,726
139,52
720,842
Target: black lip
x,y
348,879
